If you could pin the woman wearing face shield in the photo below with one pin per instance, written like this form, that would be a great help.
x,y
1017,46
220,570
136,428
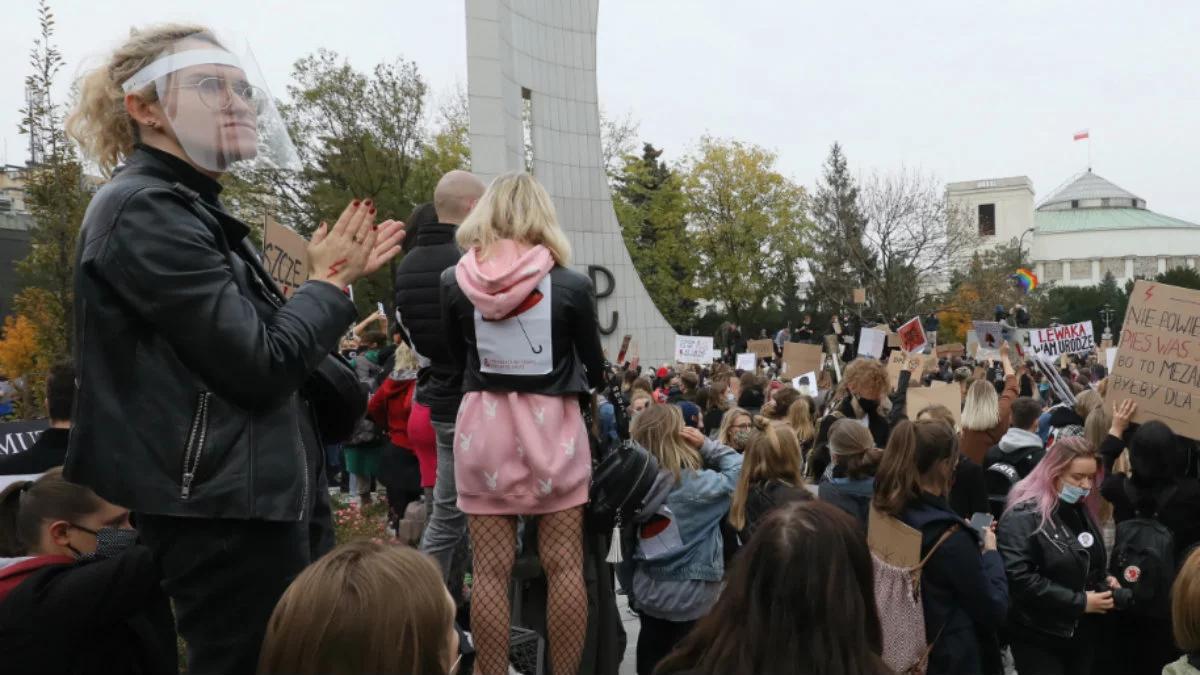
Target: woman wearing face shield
x,y
203,393
77,595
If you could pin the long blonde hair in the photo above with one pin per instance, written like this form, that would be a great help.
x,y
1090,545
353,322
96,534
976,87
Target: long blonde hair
x,y
981,411
852,448
341,615
98,121
659,429
515,206
800,418
406,358
772,454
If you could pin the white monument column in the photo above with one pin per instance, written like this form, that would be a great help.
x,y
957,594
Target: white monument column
x,y
531,75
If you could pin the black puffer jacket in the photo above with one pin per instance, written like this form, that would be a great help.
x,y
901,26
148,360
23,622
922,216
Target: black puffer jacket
x,y
575,339
419,310
188,373
1049,570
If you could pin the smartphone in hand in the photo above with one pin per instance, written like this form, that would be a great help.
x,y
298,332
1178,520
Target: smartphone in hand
x,y
982,521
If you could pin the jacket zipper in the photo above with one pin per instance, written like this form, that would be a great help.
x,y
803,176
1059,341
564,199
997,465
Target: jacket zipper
x,y
304,468
195,445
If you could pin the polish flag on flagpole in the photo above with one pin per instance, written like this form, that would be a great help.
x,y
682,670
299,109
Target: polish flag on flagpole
x,y
1081,135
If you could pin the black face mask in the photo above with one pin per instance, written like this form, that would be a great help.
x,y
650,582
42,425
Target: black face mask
x,y
868,405
110,542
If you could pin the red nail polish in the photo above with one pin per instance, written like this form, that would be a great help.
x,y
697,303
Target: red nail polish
x,y
355,203
372,211
368,202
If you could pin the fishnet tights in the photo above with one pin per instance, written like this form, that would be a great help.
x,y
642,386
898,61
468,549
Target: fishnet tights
x,y
560,548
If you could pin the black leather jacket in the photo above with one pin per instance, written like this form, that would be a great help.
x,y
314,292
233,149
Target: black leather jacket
x,y
575,338
189,363
1049,571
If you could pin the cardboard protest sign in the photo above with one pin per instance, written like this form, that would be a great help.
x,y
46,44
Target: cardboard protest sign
x,y
951,349
870,342
912,336
285,255
990,335
860,296
20,436
800,358
920,398
746,362
899,360
1158,357
764,349
1062,340
972,343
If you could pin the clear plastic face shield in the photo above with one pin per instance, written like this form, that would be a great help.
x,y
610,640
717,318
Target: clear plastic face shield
x,y
217,104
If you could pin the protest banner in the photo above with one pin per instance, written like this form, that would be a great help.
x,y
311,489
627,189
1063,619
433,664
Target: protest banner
x,y
912,336
951,349
746,362
807,384
801,358
20,436
285,255
899,360
1059,341
693,349
870,342
920,398
763,349
1158,357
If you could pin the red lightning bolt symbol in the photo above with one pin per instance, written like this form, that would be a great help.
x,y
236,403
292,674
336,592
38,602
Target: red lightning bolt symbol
x,y
1150,292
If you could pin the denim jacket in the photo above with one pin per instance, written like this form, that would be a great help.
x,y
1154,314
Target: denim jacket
x,y
698,503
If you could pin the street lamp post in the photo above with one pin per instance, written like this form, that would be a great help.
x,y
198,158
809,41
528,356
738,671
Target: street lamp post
x,y
1021,247
1106,313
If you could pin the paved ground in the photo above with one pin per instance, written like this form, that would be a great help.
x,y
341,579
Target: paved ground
x,y
628,665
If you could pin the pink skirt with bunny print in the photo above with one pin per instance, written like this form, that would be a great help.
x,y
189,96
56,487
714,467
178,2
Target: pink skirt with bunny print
x,y
520,454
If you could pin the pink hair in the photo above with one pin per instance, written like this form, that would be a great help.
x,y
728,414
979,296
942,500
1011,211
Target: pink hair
x,y
1039,485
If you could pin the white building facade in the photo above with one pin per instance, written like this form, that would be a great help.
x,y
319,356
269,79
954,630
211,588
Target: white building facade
x,y
1083,231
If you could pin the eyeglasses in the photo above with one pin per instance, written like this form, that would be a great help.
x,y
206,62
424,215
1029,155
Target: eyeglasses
x,y
217,93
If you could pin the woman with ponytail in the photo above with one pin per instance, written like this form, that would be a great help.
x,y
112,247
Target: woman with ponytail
x,y
1056,562
77,595
962,585
864,397
851,484
770,476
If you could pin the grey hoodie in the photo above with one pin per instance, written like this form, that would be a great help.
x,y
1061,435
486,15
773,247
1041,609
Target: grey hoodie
x,y
1016,439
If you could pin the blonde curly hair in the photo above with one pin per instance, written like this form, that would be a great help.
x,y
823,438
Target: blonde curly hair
x,y
98,121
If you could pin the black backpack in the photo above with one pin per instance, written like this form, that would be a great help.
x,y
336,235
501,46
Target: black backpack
x,y
1143,557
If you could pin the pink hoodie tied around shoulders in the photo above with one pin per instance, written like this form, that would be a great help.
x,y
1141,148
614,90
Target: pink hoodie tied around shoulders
x,y
501,282
516,453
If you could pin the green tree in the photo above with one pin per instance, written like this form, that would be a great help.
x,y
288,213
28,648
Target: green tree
x,y
841,260
652,210
747,227
57,193
1184,277
359,136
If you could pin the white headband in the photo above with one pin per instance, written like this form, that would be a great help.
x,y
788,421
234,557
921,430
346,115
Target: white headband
x,y
173,62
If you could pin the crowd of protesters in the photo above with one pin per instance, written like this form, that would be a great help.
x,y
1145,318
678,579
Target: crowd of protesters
x,y
183,488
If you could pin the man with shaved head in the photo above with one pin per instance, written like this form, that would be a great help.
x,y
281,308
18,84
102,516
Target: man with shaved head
x,y
439,381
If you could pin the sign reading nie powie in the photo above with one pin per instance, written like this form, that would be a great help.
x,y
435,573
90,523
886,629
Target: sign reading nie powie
x,y
285,255
1158,359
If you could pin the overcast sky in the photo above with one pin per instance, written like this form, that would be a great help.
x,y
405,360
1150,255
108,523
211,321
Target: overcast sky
x,y
965,90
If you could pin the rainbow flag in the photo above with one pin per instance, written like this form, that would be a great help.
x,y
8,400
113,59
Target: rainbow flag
x,y
1026,280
